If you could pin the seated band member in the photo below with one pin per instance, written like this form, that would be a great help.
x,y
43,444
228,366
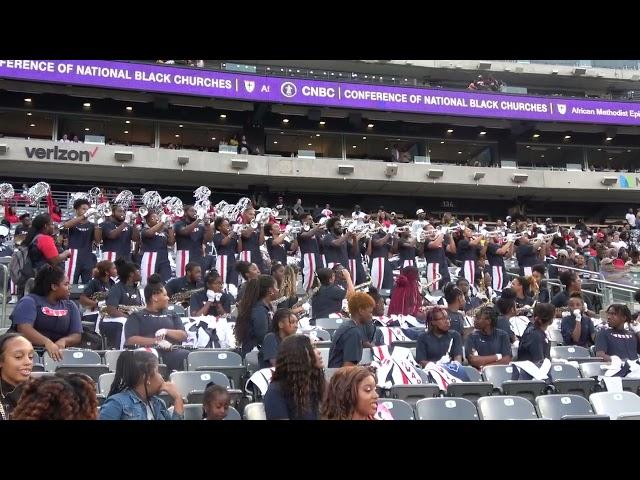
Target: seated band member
x,y
118,231
534,344
572,284
42,247
469,302
155,326
191,235
288,288
406,298
496,254
227,244
284,324
214,300
520,285
468,250
191,281
455,304
25,224
617,340
329,298
254,313
252,239
487,345
124,293
348,340
538,272
381,273
506,308
335,243
46,317
99,284
156,237
308,240
577,329
82,234
438,342
248,271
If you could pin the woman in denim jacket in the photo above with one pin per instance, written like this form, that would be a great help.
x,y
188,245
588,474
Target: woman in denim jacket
x,y
134,389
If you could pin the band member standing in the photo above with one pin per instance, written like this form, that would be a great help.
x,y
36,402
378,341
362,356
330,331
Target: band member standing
x,y
407,249
381,273
495,257
82,234
468,251
356,248
118,231
277,246
335,243
251,240
156,237
309,250
191,234
227,245
434,255
527,254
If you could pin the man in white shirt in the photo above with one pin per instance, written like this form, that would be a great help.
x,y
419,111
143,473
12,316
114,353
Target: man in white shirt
x,y
357,213
631,218
617,243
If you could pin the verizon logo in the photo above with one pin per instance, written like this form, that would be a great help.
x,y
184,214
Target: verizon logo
x,y
57,153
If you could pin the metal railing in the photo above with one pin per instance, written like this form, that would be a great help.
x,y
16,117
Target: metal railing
x,y
5,288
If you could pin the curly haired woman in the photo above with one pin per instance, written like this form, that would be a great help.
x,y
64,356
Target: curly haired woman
x,y
58,397
351,395
298,383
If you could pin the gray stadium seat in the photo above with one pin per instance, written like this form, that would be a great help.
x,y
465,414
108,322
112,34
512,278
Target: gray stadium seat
x,y
504,407
569,352
229,363
528,389
188,382
251,362
104,382
497,375
325,355
567,380
412,393
328,373
93,371
367,357
555,407
470,390
593,369
111,358
40,374
399,409
445,409
323,335
193,411
329,324
615,403
72,357
255,411
474,375
631,385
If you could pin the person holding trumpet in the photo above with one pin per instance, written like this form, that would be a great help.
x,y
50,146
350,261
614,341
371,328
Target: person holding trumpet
x,y
191,234
496,254
118,231
82,233
252,235
468,251
309,249
156,237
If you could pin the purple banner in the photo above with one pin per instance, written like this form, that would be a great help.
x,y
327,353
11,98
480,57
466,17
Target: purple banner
x,y
206,83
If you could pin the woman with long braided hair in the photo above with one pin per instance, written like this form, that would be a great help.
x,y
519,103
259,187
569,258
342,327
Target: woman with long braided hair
x,y
61,396
298,383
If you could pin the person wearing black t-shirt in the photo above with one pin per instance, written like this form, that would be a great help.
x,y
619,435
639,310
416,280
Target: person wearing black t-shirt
x,y
329,297
495,257
335,243
255,313
156,327
24,226
572,284
348,340
191,281
534,344
407,250
155,240
118,231
213,300
527,254
468,250
538,272
309,250
455,304
277,247
469,302
284,324
617,340
487,345
227,244
252,239
191,235
81,234
520,285
576,327
439,342
381,272
99,284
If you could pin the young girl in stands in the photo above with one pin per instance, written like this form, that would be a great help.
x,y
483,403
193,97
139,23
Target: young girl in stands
x,y
351,395
254,312
46,317
16,363
297,386
100,283
534,344
133,394
284,324
70,396
216,401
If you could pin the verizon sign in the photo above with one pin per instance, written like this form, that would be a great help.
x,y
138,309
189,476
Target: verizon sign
x,y
57,153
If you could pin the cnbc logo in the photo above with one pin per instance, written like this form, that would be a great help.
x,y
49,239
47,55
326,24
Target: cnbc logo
x,y
628,181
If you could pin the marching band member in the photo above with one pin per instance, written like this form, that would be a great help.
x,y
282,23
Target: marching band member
x,y
329,297
527,254
495,257
378,249
335,243
192,280
82,234
191,235
227,245
436,258
118,231
251,240
468,250
309,250
156,237
277,246
355,251
406,247
213,300
100,283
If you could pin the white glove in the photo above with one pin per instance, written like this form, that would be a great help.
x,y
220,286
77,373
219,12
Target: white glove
x,y
306,307
578,314
90,212
164,345
101,303
566,314
128,217
213,296
635,327
445,359
160,334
